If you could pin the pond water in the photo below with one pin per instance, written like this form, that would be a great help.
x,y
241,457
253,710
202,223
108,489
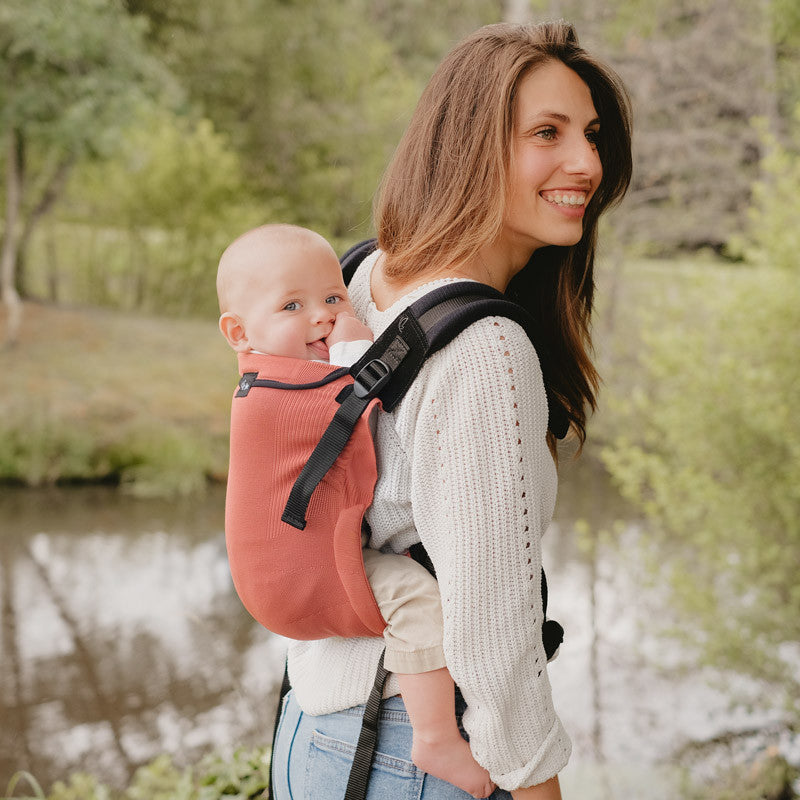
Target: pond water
x,y
122,638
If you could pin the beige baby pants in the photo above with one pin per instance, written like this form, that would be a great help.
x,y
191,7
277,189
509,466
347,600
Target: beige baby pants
x,y
408,597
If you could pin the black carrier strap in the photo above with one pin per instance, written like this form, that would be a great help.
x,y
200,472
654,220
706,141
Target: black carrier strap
x,y
367,740
284,690
354,256
558,421
389,368
322,458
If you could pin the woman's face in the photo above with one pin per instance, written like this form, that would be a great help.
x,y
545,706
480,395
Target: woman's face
x,y
555,168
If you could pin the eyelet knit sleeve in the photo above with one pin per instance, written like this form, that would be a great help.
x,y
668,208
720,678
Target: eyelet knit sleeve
x,y
483,489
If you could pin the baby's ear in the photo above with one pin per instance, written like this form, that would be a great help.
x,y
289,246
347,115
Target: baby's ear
x,y
233,330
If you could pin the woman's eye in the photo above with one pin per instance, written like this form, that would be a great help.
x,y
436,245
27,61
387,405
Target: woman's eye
x,y
293,306
334,298
593,137
548,134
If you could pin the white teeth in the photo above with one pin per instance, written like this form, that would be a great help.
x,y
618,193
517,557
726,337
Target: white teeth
x,y
566,199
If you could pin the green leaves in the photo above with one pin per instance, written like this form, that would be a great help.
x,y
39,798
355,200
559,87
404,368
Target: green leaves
x,y
773,235
169,197
242,776
71,71
716,466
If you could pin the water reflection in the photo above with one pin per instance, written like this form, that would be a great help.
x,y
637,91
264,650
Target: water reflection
x,y
122,638
121,635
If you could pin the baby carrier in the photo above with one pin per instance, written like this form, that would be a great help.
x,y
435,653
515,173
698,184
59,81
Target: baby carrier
x,y
295,558
302,473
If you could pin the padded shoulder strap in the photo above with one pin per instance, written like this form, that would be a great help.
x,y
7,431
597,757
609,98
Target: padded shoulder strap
x,y
354,256
423,328
434,321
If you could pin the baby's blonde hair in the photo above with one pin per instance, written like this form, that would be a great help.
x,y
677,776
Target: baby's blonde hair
x,y
237,261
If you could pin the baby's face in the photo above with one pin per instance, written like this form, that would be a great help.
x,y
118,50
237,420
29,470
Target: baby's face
x,y
294,309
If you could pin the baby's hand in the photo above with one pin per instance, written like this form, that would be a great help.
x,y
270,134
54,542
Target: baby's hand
x,y
347,328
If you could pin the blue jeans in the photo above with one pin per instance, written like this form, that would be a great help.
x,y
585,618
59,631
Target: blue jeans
x,y
313,755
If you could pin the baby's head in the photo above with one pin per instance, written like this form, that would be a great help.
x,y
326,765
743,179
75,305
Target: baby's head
x,y
280,288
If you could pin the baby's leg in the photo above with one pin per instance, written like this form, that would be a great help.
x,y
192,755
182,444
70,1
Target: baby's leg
x,y
408,598
438,747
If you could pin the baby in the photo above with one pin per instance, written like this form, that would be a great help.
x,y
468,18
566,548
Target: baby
x,y
281,292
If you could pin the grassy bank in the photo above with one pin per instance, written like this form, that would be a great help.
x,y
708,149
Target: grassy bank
x,y
96,395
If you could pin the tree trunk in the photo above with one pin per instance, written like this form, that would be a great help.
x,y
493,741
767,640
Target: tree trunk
x,y
8,257
53,293
771,103
51,192
10,619
517,11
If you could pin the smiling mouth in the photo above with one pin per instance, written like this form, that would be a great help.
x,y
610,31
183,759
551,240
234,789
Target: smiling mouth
x,y
565,199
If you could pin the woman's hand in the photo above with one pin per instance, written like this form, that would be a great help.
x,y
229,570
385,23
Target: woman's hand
x,y
550,790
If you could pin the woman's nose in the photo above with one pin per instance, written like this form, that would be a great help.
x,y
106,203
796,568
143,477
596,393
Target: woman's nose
x,y
583,159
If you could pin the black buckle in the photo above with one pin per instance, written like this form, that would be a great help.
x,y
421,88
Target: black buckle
x,y
372,377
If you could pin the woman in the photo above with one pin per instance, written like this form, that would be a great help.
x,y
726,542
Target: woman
x,y
517,145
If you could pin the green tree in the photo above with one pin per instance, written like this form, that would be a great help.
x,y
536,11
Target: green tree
x,y
712,453
785,26
773,236
312,96
69,75
170,197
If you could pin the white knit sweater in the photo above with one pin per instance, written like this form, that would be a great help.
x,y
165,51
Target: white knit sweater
x,y
464,467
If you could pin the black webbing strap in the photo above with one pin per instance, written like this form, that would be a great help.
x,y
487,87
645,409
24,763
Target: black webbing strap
x,y
327,450
354,256
285,686
368,738
428,325
371,374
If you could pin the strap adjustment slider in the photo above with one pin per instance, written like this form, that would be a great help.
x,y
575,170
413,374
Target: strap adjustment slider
x,y
372,377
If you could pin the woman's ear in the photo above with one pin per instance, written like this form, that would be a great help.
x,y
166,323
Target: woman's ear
x,y
233,330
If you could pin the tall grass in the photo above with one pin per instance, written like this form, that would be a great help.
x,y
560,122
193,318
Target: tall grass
x,y
92,395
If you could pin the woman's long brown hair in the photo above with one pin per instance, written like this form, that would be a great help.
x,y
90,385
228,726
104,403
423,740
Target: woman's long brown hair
x,y
443,196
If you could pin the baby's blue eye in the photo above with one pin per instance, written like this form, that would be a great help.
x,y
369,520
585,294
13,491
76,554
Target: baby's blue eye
x,y
333,299
293,306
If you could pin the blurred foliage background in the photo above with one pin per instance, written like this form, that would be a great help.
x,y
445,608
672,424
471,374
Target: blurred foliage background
x,y
139,137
